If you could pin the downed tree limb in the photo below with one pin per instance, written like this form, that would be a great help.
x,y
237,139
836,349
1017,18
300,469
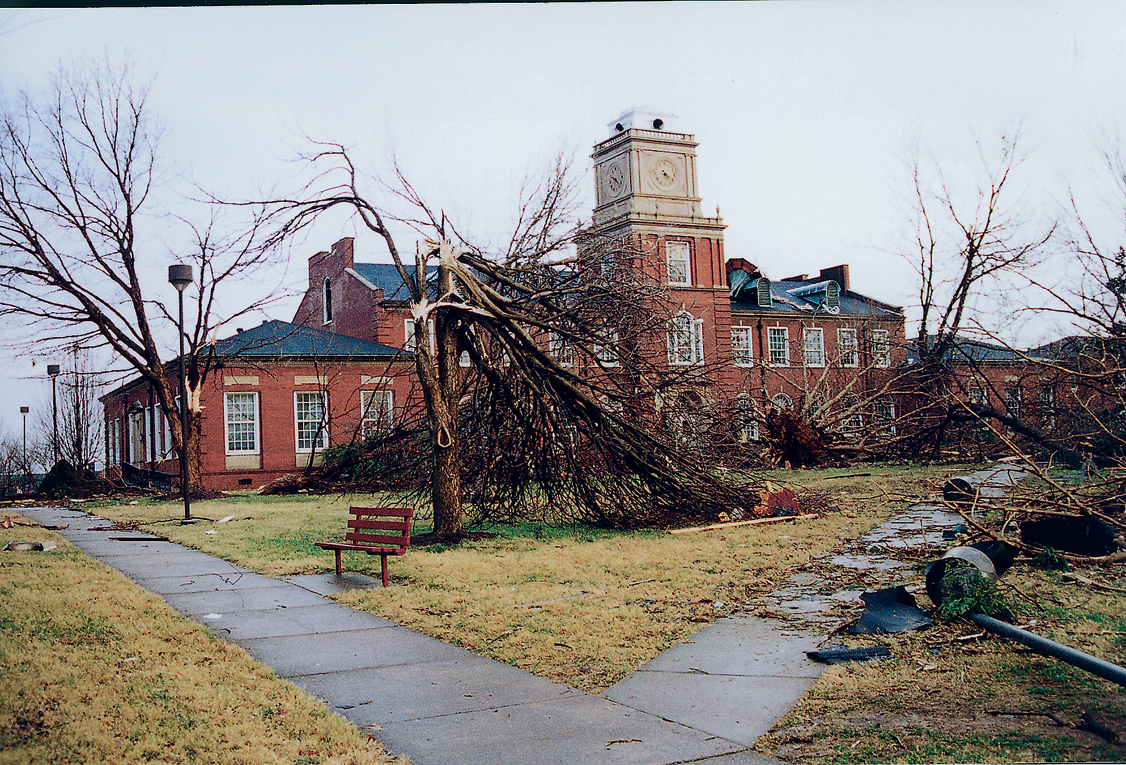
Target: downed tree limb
x,y
733,524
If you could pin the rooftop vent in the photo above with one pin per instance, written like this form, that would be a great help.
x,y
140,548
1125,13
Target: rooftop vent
x,y
826,294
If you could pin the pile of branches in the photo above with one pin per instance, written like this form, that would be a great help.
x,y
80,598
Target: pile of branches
x,y
1058,517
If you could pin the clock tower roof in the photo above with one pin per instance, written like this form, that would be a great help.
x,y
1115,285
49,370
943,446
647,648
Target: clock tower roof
x,y
643,118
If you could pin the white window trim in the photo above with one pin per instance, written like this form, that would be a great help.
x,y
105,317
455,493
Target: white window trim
x,y
849,351
296,423
561,350
385,420
881,348
785,347
684,257
747,412
883,416
409,343
227,423
811,332
685,351
606,355
749,359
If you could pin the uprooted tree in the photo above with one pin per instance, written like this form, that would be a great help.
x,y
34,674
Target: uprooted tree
x,y
82,235
542,366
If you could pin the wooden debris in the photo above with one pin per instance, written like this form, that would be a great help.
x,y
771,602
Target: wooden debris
x,y
733,524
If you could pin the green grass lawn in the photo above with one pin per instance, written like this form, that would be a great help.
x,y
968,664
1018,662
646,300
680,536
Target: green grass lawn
x,y
94,670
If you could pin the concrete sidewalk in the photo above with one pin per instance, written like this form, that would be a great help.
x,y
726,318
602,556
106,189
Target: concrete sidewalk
x,y
706,700
437,703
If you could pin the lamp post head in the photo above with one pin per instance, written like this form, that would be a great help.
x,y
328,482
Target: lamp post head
x,y
53,370
25,409
180,276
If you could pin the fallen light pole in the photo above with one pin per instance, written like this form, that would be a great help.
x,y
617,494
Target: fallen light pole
x,y
986,561
1085,661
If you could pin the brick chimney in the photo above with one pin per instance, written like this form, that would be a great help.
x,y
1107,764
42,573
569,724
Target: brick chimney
x,y
839,274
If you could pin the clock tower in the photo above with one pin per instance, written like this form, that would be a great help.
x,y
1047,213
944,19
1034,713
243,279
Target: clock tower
x,y
647,196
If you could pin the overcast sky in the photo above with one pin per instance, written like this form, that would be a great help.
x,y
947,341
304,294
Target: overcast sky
x,y
804,111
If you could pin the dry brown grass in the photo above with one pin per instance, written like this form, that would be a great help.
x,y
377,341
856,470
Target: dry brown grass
x,y
93,669
579,606
982,699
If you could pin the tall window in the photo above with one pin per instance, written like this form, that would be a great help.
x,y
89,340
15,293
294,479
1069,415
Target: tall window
x,y
883,412
326,300
167,429
852,419
377,413
778,339
606,352
814,348
113,437
1047,407
311,421
746,421
409,340
846,347
881,352
686,339
676,255
561,350
242,423
979,394
1012,402
741,346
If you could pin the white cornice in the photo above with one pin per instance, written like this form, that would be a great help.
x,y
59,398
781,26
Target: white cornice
x,y
363,281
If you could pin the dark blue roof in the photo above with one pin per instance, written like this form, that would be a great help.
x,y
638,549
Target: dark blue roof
x,y
966,350
743,298
280,338
385,276
1081,345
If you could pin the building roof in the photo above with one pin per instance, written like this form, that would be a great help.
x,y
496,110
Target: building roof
x,y
744,288
384,276
272,339
1074,346
966,350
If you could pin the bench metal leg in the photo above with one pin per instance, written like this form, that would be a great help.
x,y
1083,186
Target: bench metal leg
x,y
383,561
339,572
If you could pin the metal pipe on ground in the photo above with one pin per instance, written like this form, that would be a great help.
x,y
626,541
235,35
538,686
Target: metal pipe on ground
x,y
1084,661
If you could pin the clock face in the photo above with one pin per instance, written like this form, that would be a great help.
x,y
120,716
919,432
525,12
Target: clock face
x,y
615,180
664,174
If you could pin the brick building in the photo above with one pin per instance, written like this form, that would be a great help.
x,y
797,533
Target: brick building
x,y
278,395
799,341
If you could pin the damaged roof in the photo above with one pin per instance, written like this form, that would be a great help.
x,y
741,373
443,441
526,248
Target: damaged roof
x,y
807,296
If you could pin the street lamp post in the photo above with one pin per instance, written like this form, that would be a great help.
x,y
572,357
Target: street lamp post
x,y
53,371
180,276
26,467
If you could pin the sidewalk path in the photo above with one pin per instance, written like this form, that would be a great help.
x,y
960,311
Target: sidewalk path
x,y
706,700
435,703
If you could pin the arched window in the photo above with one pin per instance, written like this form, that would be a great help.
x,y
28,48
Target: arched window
x,y
782,402
326,301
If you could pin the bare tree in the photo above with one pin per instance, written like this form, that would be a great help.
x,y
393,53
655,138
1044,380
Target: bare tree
x,y
541,365
967,243
81,231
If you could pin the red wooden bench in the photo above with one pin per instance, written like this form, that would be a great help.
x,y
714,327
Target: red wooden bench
x,y
378,531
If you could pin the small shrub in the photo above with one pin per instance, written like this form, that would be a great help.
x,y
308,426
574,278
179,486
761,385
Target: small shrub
x,y
966,591
1050,558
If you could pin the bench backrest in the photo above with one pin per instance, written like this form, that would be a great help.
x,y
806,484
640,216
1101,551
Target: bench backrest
x,y
368,524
